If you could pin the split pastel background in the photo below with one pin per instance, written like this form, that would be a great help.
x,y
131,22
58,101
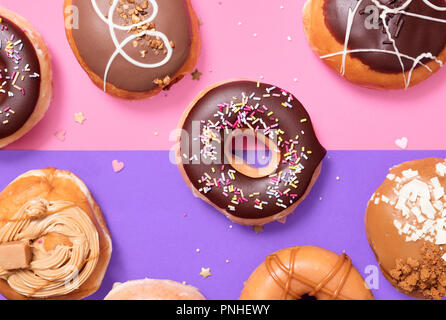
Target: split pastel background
x,y
156,223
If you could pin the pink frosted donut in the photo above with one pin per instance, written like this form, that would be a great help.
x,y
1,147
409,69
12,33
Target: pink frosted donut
x,y
150,289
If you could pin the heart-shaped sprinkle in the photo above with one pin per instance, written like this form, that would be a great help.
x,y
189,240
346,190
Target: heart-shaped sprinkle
x,y
61,135
402,143
117,166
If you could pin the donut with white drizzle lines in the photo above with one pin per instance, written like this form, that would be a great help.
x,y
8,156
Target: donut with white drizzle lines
x,y
25,77
141,47
220,122
379,44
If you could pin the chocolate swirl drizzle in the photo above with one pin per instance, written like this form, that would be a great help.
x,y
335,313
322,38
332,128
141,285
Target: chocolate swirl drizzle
x,y
139,45
286,284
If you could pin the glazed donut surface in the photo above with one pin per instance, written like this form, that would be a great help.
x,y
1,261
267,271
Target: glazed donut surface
x,y
272,115
292,273
152,289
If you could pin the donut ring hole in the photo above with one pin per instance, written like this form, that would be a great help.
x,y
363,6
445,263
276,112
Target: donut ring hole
x,y
308,297
259,166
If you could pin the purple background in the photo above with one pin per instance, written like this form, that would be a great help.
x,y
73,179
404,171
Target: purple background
x,y
144,206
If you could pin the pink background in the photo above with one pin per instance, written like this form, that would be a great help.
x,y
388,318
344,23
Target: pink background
x,y
345,116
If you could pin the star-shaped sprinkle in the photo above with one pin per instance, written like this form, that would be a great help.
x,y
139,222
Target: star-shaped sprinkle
x,y
200,22
79,118
196,75
205,272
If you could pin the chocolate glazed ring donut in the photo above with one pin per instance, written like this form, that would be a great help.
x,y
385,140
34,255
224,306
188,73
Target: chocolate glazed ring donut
x,y
245,192
291,274
25,77
380,44
140,46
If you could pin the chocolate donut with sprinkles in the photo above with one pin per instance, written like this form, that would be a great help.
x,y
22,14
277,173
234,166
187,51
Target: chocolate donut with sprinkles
x,y
232,116
25,77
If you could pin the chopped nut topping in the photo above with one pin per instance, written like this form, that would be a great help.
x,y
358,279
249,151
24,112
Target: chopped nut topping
x,y
427,275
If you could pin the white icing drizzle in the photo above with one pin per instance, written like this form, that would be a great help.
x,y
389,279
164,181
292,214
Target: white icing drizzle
x,y
433,6
119,46
385,12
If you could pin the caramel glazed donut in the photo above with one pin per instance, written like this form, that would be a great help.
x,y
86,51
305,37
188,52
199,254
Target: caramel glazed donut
x,y
152,289
54,242
297,272
243,193
133,49
380,44
406,227
25,77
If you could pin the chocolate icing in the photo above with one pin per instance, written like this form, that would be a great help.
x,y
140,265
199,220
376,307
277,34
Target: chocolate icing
x,y
95,45
292,121
413,35
16,106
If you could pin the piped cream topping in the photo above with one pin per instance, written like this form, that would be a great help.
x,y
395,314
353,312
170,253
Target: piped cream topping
x,y
66,267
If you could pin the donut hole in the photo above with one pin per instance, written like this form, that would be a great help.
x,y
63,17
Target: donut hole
x,y
251,153
307,297
251,150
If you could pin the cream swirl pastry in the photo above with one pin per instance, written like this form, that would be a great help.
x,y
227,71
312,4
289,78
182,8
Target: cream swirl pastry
x,y
52,271
54,243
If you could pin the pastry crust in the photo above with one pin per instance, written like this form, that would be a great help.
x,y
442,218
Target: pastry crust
x,y
294,272
249,222
46,76
186,69
53,185
323,43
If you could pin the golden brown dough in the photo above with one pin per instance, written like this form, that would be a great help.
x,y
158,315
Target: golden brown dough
x,y
292,273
